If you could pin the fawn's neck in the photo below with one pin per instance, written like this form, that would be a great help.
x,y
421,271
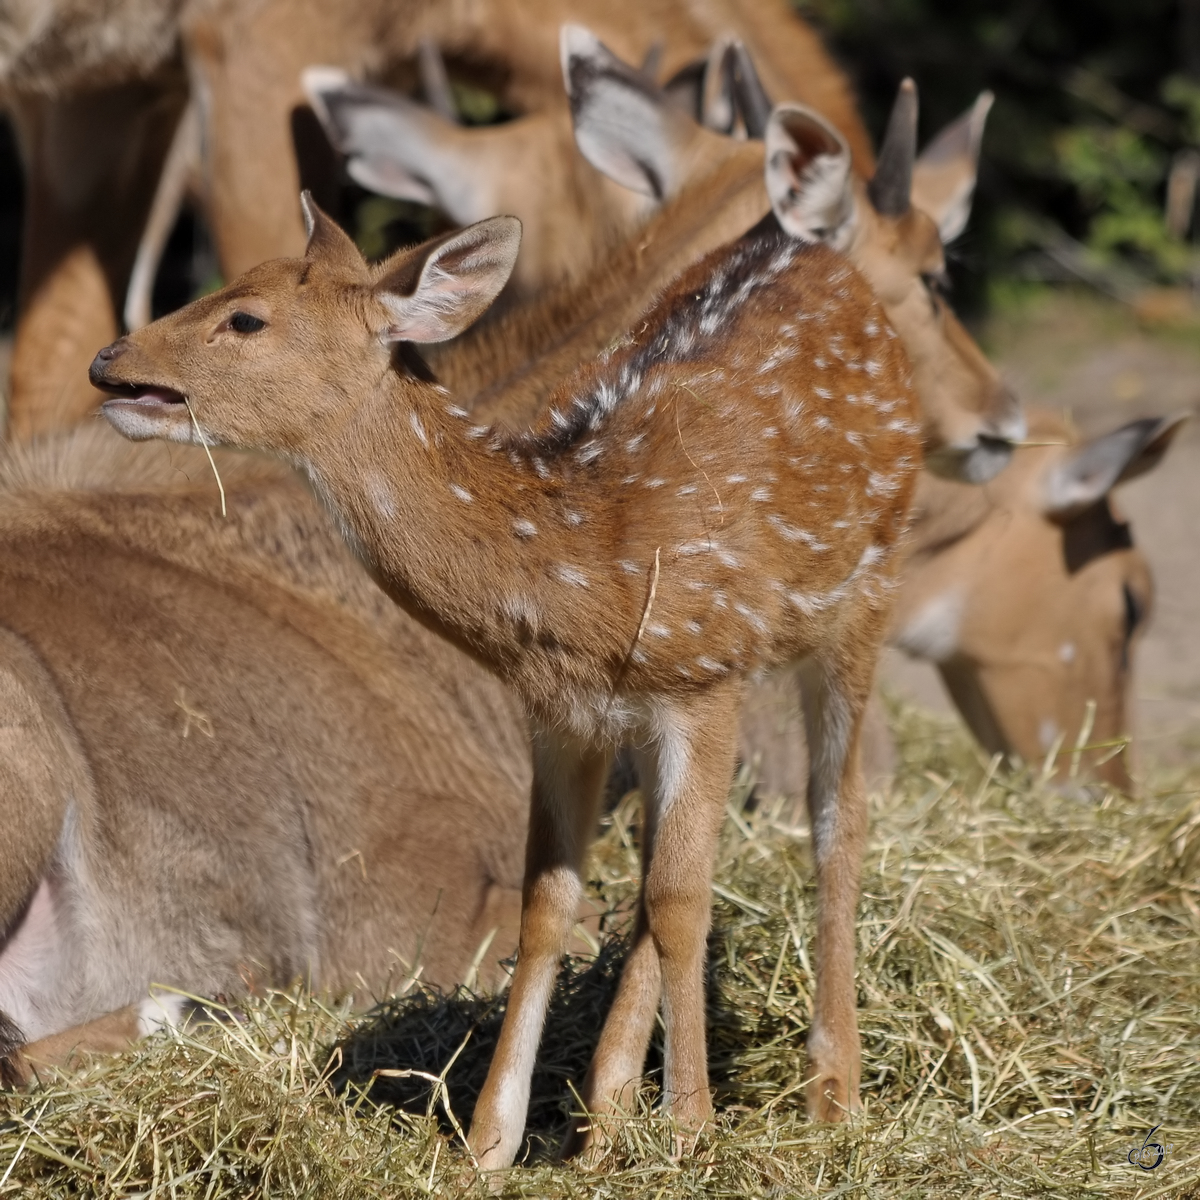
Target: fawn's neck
x,y
479,537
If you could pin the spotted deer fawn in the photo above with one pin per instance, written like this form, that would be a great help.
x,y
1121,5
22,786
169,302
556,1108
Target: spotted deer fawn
x,y
723,494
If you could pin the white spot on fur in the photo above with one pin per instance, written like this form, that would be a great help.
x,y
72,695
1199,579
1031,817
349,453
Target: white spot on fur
x,y
418,428
630,568
572,575
462,493
524,528
1066,652
794,533
381,495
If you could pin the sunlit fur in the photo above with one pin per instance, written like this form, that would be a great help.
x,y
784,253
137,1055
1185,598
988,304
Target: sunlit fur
x,y
225,753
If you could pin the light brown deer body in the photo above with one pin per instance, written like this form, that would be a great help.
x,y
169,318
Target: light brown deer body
x,y
725,495
226,760
97,90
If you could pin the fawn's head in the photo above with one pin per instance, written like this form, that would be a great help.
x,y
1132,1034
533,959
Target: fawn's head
x,y
289,350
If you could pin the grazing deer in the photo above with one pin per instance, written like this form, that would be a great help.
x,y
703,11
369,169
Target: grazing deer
x,y
723,495
226,760
95,91
1029,594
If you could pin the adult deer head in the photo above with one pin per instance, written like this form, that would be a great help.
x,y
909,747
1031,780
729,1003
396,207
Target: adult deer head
x,y
1029,594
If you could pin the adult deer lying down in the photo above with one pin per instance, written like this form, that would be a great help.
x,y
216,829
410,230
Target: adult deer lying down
x,y
725,494
223,753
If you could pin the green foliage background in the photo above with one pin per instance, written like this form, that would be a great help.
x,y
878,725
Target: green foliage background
x,y
1094,98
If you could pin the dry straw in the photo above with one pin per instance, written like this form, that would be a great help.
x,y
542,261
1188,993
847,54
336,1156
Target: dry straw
x,y
1029,984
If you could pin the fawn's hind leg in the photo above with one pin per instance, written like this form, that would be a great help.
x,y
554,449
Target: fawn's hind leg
x,y
686,775
835,692
568,783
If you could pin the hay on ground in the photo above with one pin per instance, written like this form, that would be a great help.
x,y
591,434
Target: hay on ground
x,y
1029,981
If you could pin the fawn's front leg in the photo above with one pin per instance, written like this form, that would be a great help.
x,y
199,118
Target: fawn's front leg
x,y
568,784
834,700
686,772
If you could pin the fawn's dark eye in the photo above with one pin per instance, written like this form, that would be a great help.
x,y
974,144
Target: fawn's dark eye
x,y
242,322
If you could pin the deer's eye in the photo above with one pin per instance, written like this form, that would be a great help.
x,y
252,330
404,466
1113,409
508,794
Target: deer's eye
x,y
938,283
242,322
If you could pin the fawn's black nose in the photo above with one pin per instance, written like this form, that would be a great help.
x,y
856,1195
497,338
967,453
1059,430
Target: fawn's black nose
x,y
100,363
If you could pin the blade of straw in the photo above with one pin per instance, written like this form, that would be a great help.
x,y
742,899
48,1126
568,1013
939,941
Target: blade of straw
x,y
204,443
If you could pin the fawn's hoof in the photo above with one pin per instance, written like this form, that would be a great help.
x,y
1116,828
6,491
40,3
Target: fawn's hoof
x,y
830,1098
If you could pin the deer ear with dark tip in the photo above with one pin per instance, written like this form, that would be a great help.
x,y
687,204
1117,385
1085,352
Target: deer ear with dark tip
x,y
328,242
718,109
434,292
749,93
807,173
891,186
625,125
1092,470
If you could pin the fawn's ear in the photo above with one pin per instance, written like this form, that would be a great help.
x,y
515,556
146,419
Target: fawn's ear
x,y
1092,470
328,242
625,125
943,179
434,292
808,176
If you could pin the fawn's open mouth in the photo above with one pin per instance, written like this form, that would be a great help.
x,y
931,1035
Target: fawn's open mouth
x,y
140,395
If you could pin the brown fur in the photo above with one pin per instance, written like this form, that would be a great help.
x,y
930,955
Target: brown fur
x,y
230,749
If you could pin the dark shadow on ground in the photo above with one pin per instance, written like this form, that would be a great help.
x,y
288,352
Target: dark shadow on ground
x,y
422,1032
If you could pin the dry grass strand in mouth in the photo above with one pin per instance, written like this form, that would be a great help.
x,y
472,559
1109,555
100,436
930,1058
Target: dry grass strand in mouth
x,y
1029,983
204,442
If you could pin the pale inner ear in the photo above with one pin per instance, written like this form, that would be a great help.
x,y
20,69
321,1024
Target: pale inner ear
x,y
1090,471
807,173
944,175
624,126
460,275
